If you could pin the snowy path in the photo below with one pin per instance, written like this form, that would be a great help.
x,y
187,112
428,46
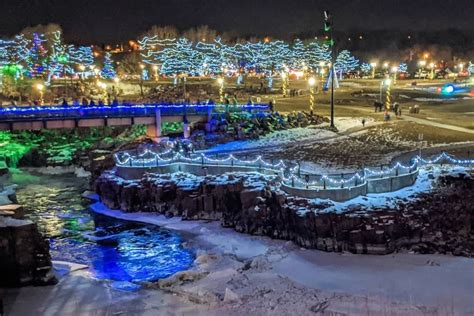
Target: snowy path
x,y
273,141
436,124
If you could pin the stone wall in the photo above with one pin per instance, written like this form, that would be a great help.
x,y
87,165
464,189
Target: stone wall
x,y
250,203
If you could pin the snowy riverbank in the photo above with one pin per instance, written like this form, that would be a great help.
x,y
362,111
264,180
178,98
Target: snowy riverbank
x,y
236,274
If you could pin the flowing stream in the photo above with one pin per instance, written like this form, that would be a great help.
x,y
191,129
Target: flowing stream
x,y
113,249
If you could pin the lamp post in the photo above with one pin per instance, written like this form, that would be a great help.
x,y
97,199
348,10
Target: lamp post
x,y
82,68
394,71
220,81
114,91
385,66
103,86
284,77
155,69
312,84
373,65
432,67
142,67
387,83
40,88
422,64
321,69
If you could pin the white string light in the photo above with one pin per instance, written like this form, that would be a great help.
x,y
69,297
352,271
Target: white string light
x,y
279,168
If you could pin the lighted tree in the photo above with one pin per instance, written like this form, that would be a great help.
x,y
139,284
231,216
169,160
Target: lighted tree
x,y
317,53
82,55
296,55
366,69
345,63
108,70
59,59
37,63
179,58
403,67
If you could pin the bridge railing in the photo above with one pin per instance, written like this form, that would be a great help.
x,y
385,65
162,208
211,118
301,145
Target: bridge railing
x,y
71,112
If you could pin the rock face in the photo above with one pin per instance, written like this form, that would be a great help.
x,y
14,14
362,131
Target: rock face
x,y
251,203
24,254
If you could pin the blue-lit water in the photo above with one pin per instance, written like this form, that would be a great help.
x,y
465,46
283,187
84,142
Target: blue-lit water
x,y
113,249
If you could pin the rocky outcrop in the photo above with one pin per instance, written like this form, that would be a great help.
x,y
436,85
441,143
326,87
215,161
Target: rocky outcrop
x,y
251,203
24,254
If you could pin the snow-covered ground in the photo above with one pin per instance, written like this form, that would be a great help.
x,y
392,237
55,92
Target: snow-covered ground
x,y
237,273
290,136
424,183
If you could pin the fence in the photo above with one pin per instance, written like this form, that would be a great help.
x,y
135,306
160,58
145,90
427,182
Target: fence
x,y
290,174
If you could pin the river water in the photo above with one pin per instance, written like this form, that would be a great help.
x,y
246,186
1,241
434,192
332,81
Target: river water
x,y
113,249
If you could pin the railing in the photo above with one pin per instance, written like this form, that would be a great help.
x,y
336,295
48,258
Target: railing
x,y
150,159
289,173
71,112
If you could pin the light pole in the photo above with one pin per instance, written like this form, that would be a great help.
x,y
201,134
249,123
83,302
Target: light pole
x,y
103,86
284,77
220,81
373,65
312,84
40,88
394,71
142,67
387,82
422,64
155,69
114,91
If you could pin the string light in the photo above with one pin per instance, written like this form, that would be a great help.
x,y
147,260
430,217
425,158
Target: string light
x,y
136,109
359,178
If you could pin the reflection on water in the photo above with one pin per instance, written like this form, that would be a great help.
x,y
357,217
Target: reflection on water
x,y
113,249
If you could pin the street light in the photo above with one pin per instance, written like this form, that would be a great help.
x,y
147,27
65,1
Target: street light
x,y
220,81
394,71
312,84
284,78
373,65
155,68
142,67
432,66
40,88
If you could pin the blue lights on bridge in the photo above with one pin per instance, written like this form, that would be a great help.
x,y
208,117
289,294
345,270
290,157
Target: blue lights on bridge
x,y
11,113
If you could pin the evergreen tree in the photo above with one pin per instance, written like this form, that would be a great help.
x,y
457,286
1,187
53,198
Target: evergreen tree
x,y
345,63
108,70
37,63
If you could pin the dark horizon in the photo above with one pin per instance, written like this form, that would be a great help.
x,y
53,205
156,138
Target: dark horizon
x,y
109,21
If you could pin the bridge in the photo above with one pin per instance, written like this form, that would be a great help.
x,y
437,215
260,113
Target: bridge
x,y
151,115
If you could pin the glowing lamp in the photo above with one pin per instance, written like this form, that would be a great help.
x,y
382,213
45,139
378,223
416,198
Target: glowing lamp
x,y
312,81
40,87
449,89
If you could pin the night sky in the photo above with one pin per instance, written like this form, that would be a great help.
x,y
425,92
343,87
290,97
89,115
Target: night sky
x,y
99,21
